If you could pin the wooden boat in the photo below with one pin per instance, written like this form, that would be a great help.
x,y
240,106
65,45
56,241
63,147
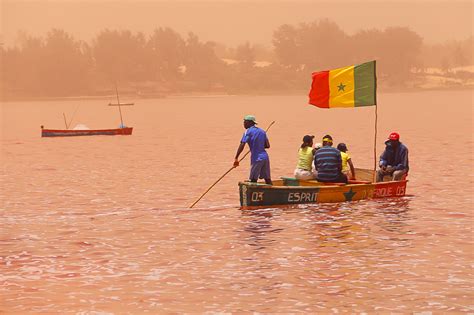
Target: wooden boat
x,y
293,191
122,130
90,132
287,191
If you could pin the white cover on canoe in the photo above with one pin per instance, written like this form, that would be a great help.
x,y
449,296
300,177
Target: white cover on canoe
x,y
81,127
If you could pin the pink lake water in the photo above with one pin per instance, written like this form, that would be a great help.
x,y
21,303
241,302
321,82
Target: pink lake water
x,y
99,225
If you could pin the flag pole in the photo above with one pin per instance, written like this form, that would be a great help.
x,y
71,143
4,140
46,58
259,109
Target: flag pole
x,y
375,145
376,117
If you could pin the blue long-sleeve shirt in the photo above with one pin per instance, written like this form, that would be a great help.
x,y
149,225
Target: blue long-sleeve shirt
x,y
256,138
397,158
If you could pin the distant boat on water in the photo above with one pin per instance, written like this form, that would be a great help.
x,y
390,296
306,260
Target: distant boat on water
x,y
82,130
126,131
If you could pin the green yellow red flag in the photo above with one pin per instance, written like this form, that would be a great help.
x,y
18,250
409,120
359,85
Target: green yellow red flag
x,y
351,86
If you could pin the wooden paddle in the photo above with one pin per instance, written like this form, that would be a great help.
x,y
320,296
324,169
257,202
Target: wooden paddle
x,y
210,187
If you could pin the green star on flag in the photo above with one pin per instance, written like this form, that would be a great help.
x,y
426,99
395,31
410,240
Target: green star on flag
x,y
357,86
340,87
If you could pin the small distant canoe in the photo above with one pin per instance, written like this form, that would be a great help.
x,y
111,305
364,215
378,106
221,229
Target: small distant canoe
x,y
81,130
289,191
88,132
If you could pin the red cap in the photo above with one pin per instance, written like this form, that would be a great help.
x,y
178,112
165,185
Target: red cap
x,y
394,136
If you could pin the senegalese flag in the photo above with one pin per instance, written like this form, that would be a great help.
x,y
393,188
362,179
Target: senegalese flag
x,y
352,86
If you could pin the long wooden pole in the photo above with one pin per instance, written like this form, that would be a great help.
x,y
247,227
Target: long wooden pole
x,y
228,171
118,102
72,117
65,122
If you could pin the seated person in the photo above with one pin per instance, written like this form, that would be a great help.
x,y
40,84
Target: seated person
x,y
346,161
304,170
394,160
328,163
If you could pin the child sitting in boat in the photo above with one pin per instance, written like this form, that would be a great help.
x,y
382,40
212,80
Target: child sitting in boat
x,y
346,161
304,170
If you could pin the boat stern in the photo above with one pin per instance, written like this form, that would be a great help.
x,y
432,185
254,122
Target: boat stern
x,y
259,194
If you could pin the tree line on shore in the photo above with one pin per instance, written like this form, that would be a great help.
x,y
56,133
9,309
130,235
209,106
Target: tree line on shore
x,y
58,65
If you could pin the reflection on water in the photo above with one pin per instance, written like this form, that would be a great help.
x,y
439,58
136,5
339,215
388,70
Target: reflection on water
x,y
99,225
395,215
258,224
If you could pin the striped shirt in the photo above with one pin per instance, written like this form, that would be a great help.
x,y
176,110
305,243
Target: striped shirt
x,y
328,163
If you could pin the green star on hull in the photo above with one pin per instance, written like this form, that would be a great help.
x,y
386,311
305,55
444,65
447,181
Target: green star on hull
x,y
348,195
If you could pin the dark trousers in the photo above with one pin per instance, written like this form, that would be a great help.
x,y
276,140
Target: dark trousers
x,y
342,178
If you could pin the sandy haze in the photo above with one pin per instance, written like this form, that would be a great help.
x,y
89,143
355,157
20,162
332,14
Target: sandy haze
x,y
232,22
162,48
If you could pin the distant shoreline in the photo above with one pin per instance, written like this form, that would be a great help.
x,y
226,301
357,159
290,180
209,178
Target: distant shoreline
x,y
135,97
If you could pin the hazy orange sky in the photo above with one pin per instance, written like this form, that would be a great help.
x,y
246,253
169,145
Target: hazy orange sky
x,y
233,22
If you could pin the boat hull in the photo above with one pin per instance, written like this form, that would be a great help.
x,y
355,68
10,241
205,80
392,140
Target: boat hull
x,y
98,132
303,192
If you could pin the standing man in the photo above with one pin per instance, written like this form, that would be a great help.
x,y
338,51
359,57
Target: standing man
x,y
328,163
394,160
258,142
